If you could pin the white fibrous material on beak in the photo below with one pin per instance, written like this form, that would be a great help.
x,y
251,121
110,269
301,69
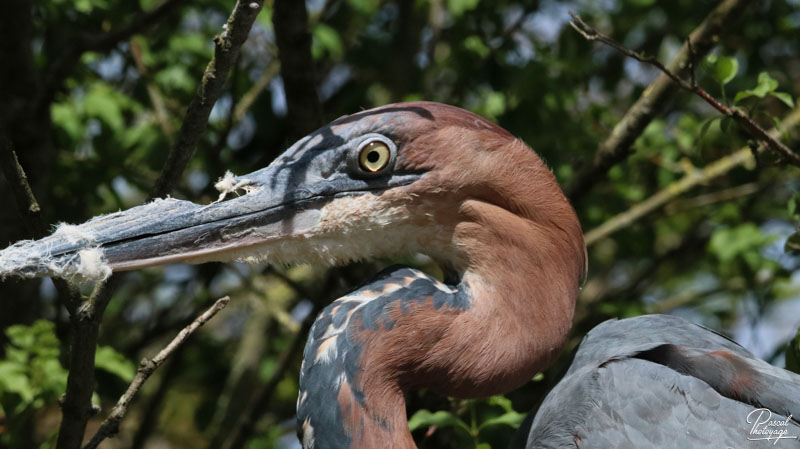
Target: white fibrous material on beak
x,y
229,184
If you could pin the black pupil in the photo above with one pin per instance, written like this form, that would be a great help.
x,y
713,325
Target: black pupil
x,y
373,156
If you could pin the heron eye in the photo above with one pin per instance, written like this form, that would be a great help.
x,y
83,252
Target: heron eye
x,y
374,156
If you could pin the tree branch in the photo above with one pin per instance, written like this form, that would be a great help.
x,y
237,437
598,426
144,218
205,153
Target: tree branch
x,y
30,212
76,406
27,206
249,97
156,98
719,196
226,50
756,131
616,147
85,321
290,19
690,180
110,426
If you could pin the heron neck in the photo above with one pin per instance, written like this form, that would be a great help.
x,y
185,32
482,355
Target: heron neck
x,y
504,321
523,277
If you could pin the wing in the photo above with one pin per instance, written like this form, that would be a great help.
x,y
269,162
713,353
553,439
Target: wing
x,y
636,403
660,380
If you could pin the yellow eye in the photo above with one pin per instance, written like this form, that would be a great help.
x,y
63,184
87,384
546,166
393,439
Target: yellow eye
x,y
374,156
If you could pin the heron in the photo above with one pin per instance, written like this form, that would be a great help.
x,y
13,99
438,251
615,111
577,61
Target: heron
x,y
424,177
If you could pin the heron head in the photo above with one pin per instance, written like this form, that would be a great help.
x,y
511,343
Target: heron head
x,y
400,179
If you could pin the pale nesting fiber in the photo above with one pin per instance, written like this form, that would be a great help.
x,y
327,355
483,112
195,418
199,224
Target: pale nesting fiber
x,y
229,184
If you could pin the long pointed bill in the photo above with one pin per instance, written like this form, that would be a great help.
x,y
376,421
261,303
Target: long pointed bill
x,y
292,199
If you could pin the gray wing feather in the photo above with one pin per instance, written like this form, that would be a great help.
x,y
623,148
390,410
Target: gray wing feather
x,y
617,395
635,403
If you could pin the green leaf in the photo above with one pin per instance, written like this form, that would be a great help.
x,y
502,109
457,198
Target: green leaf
x,y
793,206
176,77
741,95
723,68
108,359
501,401
706,126
100,102
326,39
424,418
459,7
784,97
147,5
13,379
84,6
194,43
475,44
766,86
66,117
512,419
729,243
495,104
366,7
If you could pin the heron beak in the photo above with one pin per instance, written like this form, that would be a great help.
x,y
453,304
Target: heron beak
x,y
281,202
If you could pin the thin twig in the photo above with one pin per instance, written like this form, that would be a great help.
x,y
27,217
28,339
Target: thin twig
x,y
28,207
110,425
736,114
153,404
683,299
728,194
690,180
30,212
156,98
261,397
249,97
616,147
226,50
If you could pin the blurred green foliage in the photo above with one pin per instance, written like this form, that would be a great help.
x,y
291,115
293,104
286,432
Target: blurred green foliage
x,y
724,253
31,375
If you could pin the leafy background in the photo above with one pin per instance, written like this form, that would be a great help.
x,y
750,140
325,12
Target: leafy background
x,y
93,133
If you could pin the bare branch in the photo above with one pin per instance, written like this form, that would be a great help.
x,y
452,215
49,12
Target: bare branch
x,y
156,98
244,427
226,50
737,115
30,211
28,207
85,320
683,299
110,426
719,196
690,180
290,19
84,325
616,147
253,93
